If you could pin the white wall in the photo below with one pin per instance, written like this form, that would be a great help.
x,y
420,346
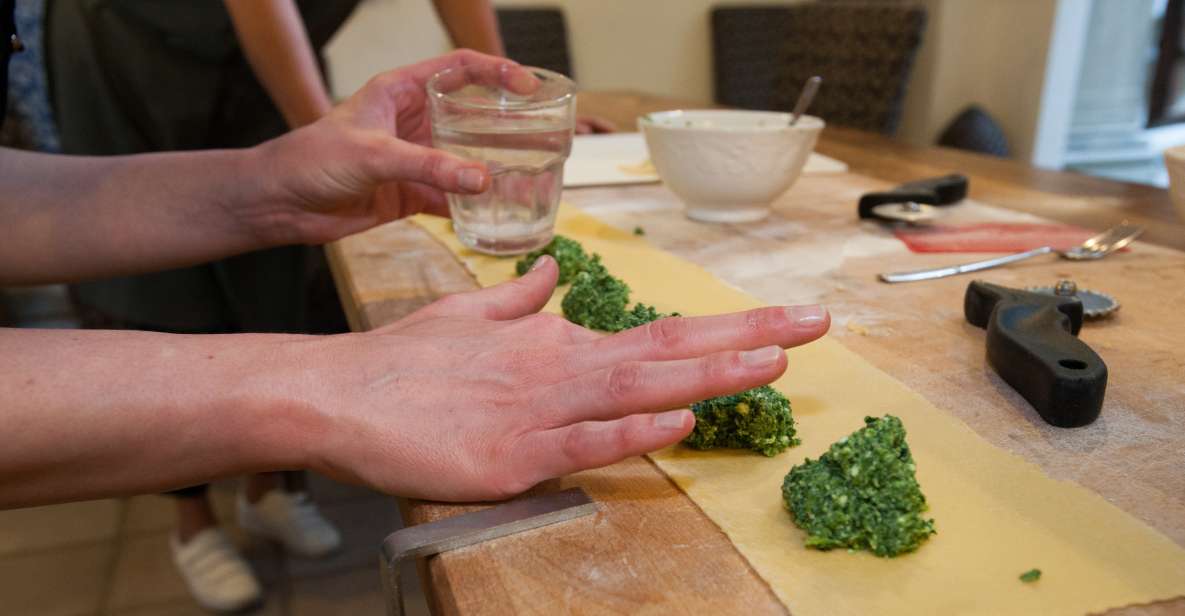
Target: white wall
x,y
1067,47
987,51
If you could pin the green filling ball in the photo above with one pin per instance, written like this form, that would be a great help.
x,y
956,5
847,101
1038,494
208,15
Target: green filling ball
x,y
569,255
642,314
861,494
758,420
598,300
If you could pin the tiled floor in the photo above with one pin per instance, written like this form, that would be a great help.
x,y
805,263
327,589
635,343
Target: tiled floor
x,y
111,557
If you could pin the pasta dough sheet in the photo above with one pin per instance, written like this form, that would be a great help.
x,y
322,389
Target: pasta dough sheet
x,y
997,515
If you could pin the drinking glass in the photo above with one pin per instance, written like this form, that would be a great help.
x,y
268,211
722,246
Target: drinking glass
x,y
523,138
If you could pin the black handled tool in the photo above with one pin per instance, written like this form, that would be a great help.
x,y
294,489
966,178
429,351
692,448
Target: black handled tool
x,y
907,202
1032,344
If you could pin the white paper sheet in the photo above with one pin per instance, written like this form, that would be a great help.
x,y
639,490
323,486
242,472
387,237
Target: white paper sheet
x,y
622,158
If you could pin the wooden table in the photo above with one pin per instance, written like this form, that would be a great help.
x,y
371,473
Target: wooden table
x,y
650,549
1067,197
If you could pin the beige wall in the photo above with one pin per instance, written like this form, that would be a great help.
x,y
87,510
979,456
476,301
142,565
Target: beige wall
x,y
991,53
661,46
986,51
383,34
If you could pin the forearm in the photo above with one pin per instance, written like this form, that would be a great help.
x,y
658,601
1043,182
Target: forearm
x,y
68,218
90,414
471,24
72,218
277,46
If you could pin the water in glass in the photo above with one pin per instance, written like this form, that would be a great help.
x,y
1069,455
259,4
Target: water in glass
x,y
526,162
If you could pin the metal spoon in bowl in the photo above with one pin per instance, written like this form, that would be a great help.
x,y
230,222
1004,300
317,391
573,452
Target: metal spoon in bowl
x,y
1096,247
806,98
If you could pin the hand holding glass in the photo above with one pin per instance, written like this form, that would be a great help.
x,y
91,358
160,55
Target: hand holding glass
x,y
523,137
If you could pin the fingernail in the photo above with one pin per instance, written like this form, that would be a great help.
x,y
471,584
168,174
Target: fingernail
x,y
806,315
670,420
520,80
470,179
540,261
761,357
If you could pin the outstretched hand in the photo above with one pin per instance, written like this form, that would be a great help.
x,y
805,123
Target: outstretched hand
x,y
370,160
478,396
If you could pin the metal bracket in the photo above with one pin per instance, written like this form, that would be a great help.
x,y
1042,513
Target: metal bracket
x,y
470,528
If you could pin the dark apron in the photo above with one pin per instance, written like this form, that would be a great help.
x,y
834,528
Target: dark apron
x,y
7,47
130,76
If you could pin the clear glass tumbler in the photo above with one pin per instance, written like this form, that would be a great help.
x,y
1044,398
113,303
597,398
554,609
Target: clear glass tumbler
x,y
523,139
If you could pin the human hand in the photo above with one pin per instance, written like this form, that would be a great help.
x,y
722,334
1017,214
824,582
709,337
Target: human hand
x,y
589,125
477,397
369,161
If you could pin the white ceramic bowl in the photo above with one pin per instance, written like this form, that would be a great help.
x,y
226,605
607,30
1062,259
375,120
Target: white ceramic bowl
x,y
727,166
1174,161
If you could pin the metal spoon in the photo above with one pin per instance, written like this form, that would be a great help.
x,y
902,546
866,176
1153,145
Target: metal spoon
x,y
806,98
1096,247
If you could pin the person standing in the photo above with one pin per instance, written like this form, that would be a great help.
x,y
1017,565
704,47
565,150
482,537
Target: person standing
x,y
133,76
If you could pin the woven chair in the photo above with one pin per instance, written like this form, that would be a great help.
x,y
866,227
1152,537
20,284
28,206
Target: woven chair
x,y
864,52
536,37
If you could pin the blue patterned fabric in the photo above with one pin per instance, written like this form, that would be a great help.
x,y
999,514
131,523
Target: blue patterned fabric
x,y
29,123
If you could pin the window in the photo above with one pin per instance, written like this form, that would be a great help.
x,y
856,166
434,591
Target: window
x,y
1167,97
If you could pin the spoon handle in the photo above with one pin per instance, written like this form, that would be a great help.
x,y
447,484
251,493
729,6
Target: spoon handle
x,y
974,266
804,100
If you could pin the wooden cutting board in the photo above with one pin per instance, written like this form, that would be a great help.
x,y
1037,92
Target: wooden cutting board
x,y
812,250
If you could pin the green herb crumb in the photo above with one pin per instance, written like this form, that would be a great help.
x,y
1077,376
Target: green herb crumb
x,y
862,493
1032,575
642,314
758,419
568,253
639,231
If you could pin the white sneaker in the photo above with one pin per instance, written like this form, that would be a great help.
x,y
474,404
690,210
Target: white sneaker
x,y
217,576
291,519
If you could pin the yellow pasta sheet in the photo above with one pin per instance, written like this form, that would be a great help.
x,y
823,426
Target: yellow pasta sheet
x,y
997,515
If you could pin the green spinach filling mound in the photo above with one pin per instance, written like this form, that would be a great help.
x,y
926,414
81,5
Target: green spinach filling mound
x,y
597,299
568,254
642,314
861,494
758,419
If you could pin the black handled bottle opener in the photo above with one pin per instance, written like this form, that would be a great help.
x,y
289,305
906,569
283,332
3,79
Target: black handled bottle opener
x,y
1032,343
909,197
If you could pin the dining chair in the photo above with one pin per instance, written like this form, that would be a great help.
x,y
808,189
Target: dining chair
x,y
975,130
864,52
536,36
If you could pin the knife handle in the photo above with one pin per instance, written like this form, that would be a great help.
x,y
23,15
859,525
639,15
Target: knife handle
x,y
963,268
1032,344
945,190
948,189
